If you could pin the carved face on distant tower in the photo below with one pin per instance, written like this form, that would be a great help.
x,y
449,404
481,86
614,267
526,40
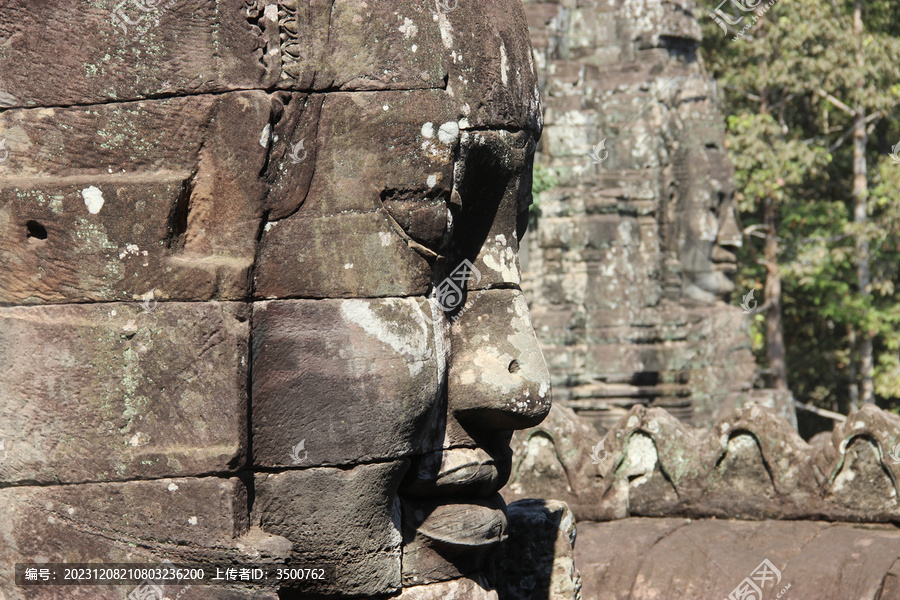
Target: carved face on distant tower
x,y
706,230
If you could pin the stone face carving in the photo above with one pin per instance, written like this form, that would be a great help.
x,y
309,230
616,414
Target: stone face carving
x,y
220,234
629,269
749,465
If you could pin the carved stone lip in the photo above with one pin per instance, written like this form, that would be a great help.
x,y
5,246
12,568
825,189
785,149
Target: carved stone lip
x,y
461,472
726,266
467,522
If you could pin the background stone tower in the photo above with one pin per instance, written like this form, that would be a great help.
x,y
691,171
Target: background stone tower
x,y
628,267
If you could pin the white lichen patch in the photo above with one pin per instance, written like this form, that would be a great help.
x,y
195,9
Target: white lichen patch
x,y
265,135
448,133
501,258
139,439
93,199
844,478
406,331
431,181
504,65
130,249
428,129
385,238
640,459
408,29
446,29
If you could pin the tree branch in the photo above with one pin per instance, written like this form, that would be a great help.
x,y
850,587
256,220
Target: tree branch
x,y
835,101
820,411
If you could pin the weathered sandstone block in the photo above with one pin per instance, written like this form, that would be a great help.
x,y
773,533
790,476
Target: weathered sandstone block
x,y
356,379
119,391
135,521
107,204
339,519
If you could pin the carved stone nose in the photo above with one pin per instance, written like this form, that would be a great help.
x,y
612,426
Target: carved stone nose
x,y
729,231
498,378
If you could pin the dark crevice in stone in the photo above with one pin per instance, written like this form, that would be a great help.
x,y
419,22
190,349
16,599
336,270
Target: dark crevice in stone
x,y
178,217
169,96
36,230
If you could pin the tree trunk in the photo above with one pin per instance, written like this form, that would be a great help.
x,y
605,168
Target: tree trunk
x,y
853,388
860,217
774,331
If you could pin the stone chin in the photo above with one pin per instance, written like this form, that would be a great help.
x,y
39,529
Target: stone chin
x,y
707,287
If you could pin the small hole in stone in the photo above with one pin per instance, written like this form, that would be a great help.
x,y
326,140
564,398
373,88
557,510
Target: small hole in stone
x,y
514,366
36,230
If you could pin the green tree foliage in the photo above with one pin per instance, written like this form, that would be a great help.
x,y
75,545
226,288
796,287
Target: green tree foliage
x,y
793,86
